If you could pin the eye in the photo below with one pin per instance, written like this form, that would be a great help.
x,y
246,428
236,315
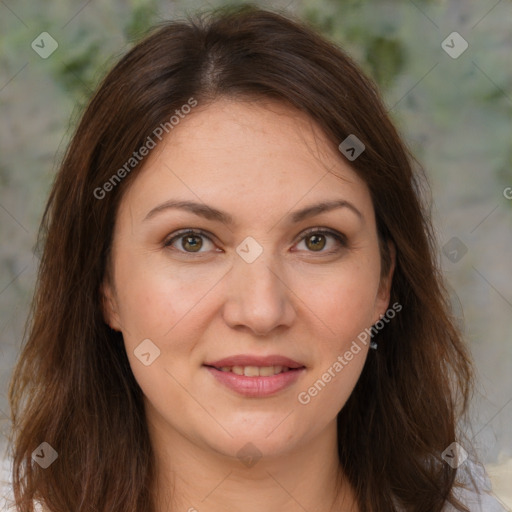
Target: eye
x,y
191,240
315,240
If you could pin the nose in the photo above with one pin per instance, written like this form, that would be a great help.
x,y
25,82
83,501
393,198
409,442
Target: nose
x,y
258,298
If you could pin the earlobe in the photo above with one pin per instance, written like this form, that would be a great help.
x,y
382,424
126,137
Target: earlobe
x,y
109,307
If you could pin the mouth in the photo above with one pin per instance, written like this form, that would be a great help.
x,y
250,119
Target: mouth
x,y
277,362
255,371
256,377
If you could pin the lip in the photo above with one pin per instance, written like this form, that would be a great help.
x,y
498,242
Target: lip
x,y
251,360
256,387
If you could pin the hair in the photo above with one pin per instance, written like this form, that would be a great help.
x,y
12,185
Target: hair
x,y
73,387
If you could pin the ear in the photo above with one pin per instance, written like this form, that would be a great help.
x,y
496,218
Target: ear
x,y
384,292
109,306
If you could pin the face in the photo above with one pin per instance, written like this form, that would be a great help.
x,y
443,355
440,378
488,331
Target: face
x,y
228,327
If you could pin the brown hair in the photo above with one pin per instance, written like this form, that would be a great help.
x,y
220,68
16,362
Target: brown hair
x,y
73,386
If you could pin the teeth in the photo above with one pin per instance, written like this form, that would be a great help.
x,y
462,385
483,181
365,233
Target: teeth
x,y
267,371
255,371
251,371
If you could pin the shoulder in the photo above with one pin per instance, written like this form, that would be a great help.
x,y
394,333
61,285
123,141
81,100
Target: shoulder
x,y
6,494
6,498
477,491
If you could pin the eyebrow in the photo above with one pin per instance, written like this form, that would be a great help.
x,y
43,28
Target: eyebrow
x,y
210,213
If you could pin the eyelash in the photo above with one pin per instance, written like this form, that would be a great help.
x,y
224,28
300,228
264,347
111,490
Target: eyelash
x,y
339,237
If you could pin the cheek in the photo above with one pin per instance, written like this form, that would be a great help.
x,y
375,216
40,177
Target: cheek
x,y
147,307
164,306
153,298
155,307
334,376
345,301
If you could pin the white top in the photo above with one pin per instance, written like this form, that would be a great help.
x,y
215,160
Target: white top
x,y
482,501
480,498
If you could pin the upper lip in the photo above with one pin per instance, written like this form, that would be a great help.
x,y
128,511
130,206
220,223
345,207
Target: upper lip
x,y
250,360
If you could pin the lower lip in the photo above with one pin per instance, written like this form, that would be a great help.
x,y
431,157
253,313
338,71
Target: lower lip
x,y
256,387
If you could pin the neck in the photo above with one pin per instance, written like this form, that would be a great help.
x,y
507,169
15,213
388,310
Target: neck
x,y
195,478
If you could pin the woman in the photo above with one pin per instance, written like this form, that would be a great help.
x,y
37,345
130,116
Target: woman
x,y
238,304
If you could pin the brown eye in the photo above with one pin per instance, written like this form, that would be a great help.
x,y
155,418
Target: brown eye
x,y
315,242
191,242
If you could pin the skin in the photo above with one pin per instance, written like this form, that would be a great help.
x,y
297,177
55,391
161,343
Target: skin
x,y
258,162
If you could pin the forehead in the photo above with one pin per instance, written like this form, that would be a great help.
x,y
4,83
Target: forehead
x,y
262,155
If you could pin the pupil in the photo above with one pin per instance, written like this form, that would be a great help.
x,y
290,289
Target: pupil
x,y
316,239
195,247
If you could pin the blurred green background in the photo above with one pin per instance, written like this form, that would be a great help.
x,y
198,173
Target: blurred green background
x,y
454,113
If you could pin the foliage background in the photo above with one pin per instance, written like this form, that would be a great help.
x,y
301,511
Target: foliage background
x,y
455,114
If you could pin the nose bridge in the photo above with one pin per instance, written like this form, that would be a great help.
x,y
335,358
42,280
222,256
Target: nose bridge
x,y
255,269
258,295
260,273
